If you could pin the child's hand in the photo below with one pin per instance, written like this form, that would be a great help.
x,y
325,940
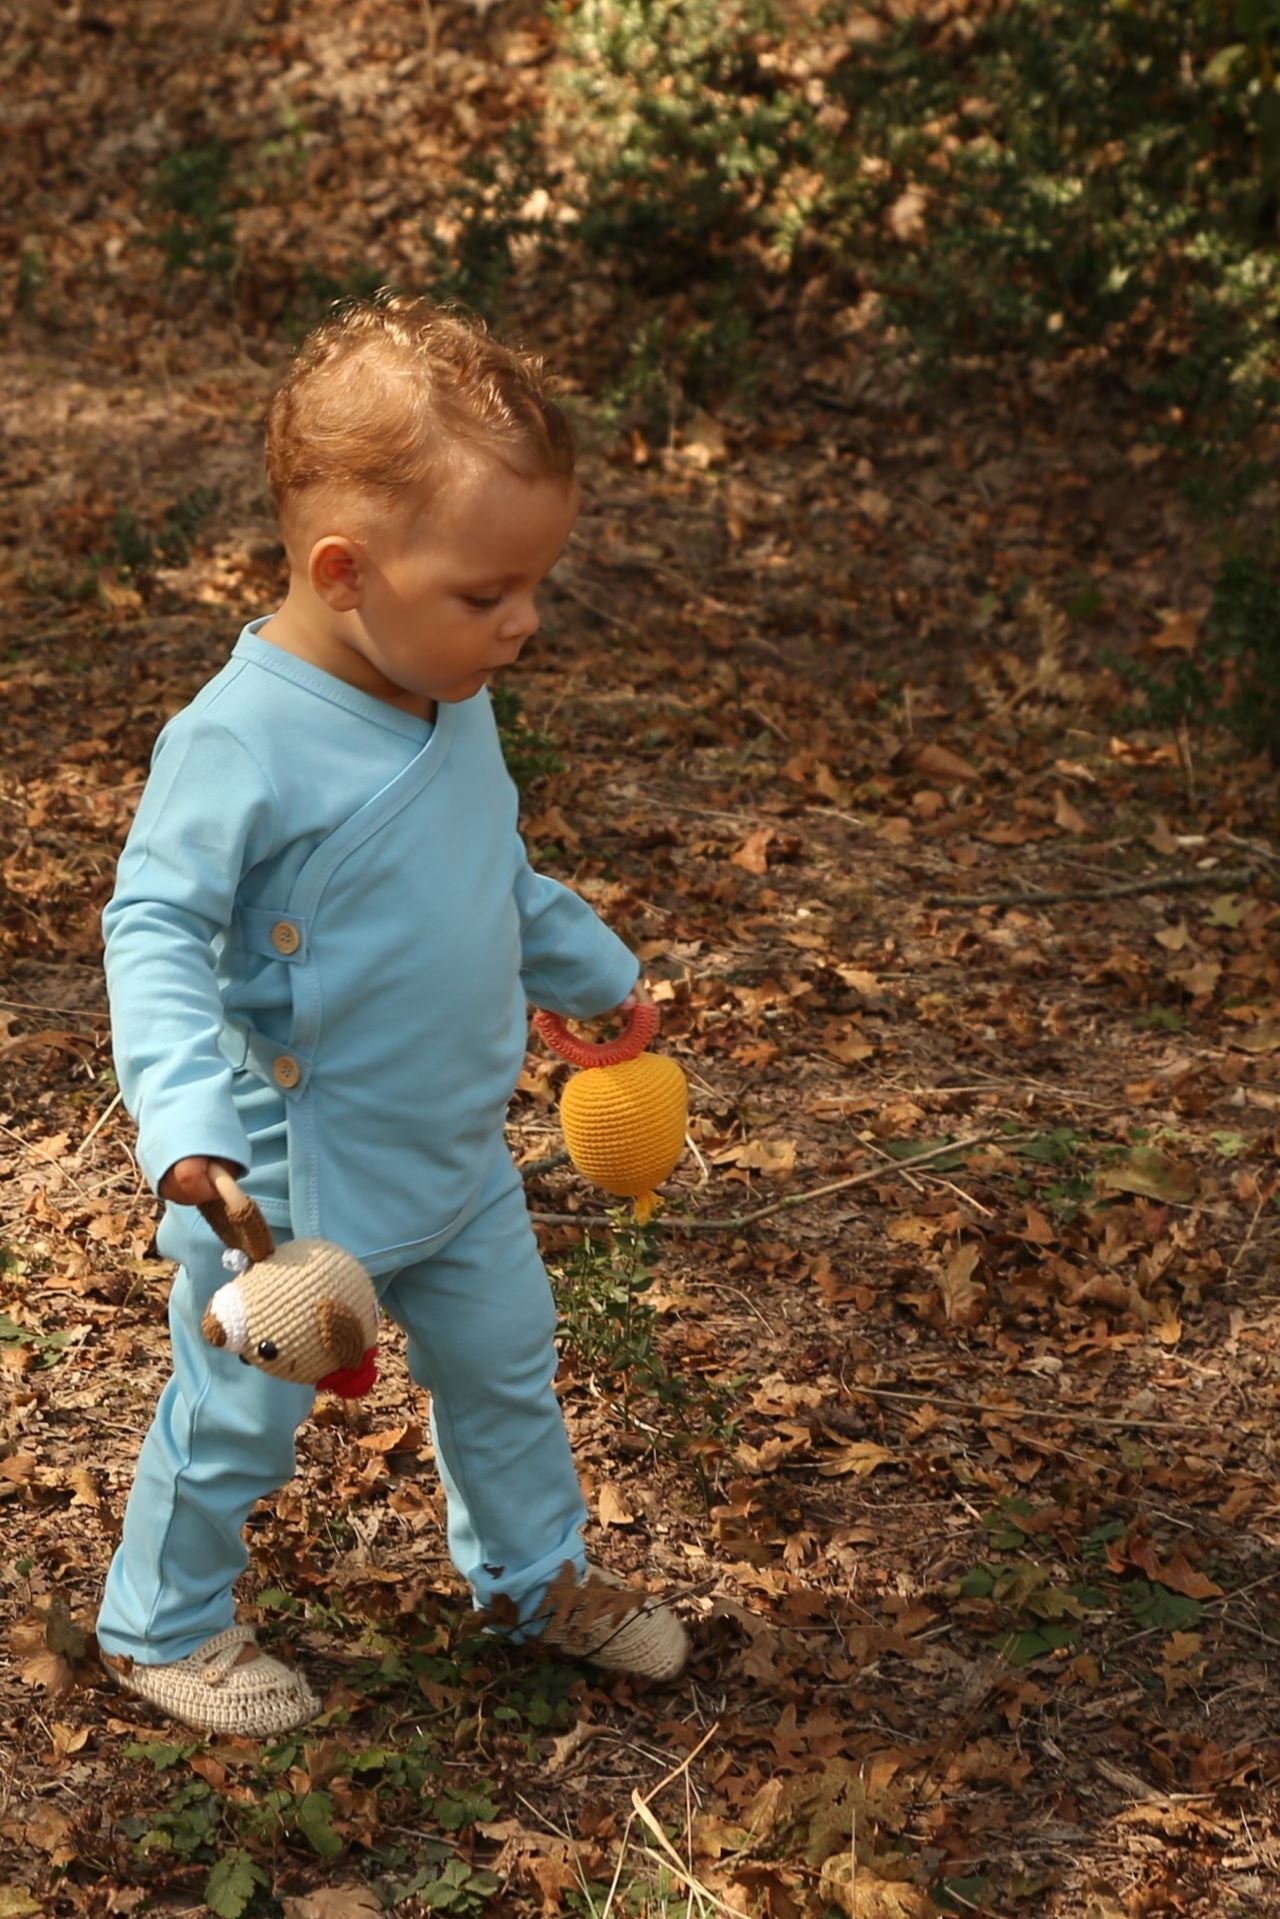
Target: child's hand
x,y
638,996
188,1182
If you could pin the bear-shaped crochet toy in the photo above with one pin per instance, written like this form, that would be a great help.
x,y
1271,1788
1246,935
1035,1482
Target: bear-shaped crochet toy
x,y
305,1311
625,1116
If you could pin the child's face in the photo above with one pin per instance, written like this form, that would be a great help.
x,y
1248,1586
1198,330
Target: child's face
x,y
448,586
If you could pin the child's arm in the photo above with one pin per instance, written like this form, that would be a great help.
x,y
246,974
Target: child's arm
x,y
573,964
207,814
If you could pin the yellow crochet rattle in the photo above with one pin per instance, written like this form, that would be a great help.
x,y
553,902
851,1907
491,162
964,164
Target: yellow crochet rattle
x,y
305,1311
625,1116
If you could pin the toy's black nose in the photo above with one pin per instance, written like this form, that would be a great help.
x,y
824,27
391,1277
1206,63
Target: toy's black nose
x,y
242,1359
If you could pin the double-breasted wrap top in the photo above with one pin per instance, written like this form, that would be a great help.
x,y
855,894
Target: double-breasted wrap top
x,y
324,907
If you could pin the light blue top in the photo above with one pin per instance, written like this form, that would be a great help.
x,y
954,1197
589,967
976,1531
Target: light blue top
x,y
324,903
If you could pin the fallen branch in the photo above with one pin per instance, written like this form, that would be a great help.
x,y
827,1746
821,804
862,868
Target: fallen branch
x,y
1034,1412
742,1220
532,1167
1170,883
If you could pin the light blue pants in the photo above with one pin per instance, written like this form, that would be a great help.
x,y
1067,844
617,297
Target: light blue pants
x,y
480,1322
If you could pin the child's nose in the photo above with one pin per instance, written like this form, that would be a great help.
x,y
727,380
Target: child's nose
x,y
524,622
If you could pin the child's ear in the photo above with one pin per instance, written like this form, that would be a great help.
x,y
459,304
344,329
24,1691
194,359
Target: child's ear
x,y
335,573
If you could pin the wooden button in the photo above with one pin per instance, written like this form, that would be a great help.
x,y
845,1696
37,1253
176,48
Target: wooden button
x,y
285,937
285,1071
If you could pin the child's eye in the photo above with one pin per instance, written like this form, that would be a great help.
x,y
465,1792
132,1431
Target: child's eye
x,y
481,603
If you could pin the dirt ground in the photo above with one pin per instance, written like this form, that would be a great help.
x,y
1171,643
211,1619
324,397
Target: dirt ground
x,y
959,1459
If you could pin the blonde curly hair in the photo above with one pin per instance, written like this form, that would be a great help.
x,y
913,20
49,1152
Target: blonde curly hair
x,y
382,392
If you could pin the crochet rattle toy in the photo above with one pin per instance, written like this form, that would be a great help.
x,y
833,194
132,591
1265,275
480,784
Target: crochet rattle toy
x,y
305,1311
626,1115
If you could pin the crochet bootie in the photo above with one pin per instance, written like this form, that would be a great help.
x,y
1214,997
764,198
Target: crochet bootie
x,y
614,1626
209,1690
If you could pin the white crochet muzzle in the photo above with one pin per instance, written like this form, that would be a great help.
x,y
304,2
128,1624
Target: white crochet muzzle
x,y
228,1308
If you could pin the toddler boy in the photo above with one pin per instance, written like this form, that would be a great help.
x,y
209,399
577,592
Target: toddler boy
x,y
320,950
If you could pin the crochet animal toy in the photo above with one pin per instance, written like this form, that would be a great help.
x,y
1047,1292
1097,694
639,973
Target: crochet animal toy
x,y
305,1311
625,1116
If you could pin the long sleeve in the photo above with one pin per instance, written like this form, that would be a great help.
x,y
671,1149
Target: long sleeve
x,y
206,816
572,964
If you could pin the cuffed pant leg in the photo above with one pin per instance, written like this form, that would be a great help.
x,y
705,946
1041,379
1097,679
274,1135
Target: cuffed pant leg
x,y
222,1438
481,1322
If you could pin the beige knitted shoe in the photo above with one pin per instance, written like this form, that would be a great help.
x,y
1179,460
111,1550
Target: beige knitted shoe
x,y
209,1690
614,1626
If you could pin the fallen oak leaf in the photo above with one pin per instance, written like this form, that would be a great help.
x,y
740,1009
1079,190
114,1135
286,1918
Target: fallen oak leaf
x,y
52,1833
16,1903
860,1457
752,855
334,1902
52,1148
858,980
1182,1578
829,786
84,1487
833,1288
48,1643
962,1299
564,1748
861,1895
612,1508
1152,1175
1179,634
82,1043
1197,978
396,1439
940,763
761,1155
1177,1576
1262,1038
67,1739
1067,817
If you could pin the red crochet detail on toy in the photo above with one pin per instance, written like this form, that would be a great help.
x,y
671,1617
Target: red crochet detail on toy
x,y
352,1382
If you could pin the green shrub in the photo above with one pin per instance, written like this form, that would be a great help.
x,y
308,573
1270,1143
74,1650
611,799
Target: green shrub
x,y
1049,177
491,217
1083,172
530,753
679,131
137,549
195,188
1233,680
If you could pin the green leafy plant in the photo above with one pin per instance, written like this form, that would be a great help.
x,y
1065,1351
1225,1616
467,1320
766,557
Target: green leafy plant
x,y
610,1327
318,290
31,278
1233,678
496,213
456,1888
679,132
195,188
136,547
1153,1605
188,1825
233,1883
530,753
49,1346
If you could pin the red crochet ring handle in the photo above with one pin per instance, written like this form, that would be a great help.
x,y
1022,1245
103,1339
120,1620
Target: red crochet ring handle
x,y
641,1027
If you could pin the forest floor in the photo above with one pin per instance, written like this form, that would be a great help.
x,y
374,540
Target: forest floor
x,y
960,1461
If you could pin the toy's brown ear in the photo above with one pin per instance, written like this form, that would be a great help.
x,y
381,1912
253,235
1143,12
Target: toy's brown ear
x,y
341,1332
213,1329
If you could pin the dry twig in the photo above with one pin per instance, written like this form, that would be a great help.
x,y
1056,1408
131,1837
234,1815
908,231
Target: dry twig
x,y
1158,883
